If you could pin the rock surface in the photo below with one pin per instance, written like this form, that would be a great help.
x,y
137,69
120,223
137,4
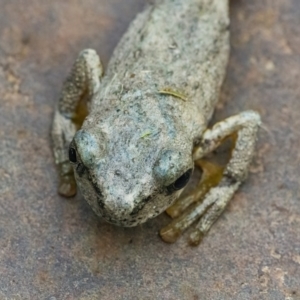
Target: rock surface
x,y
52,248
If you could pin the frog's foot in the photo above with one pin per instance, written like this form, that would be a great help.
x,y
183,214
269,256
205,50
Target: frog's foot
x,y
191,206
82,83
211,176
218,188
209,209
67,184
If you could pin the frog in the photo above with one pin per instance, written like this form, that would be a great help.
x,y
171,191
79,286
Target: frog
x,y
130,137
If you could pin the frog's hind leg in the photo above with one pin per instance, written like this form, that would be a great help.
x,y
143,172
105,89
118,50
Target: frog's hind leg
x,y
215,200
82,83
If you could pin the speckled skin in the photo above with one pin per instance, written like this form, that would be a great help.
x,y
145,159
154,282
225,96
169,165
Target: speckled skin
x,y
137,140
188,53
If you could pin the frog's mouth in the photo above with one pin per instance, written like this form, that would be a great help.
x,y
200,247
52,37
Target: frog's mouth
x,y
126,210
148,208
145,209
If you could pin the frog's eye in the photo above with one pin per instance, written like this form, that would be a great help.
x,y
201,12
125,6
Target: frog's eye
x,y
72,155
90,146
181,182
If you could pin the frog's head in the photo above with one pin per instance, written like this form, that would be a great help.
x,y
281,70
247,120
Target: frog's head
x,y
128,177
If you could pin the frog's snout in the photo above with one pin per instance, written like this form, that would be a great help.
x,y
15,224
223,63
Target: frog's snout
x,y
123,210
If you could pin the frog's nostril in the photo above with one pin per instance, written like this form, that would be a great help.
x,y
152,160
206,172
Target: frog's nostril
x,y
118,173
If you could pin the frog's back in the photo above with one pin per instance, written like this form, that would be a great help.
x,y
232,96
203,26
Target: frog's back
x,y
178,45
183,44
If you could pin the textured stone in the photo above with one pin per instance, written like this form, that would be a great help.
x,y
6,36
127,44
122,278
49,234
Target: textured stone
x,y
52,248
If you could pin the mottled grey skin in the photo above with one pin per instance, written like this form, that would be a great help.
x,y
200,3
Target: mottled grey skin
x,y
147,114
187,53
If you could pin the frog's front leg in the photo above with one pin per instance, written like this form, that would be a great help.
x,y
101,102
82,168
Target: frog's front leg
x,y
78,89
245,125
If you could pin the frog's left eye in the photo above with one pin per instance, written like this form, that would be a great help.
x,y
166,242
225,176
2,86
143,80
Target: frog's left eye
x,y
181,182
72,155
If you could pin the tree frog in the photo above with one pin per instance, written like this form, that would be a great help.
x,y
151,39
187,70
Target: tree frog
x,y
129,138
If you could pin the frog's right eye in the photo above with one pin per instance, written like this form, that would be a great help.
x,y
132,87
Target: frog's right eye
x,y
72,155
181,182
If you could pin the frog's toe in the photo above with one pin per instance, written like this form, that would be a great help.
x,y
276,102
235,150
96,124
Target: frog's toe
x,y
67,187
195,237
170,234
